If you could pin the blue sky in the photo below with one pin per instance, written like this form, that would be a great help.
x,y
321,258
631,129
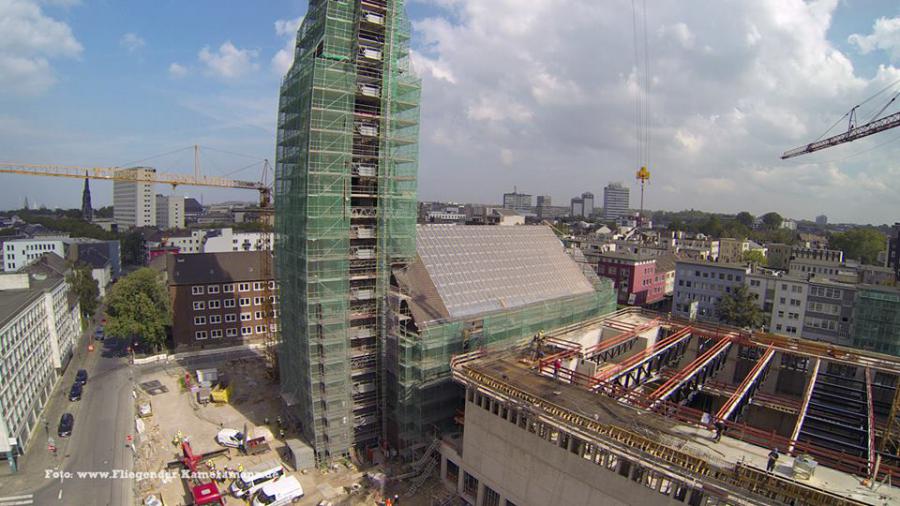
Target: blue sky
x,y
111,82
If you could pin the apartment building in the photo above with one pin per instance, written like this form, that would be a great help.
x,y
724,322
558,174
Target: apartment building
x,y
219,298
169,211
18,253
821,262
635,277
134,202
226,239
700,285
39,326
789,306
829,311
732,250
778,256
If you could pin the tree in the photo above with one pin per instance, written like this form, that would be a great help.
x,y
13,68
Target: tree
x,y
772,221
744,218
104,212
133,248
755,257
139,308
85,288
712,227
863,244
739,308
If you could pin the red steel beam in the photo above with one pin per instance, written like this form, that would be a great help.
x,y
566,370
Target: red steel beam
x,y
752,377
688,372
643,356
806,395
871,413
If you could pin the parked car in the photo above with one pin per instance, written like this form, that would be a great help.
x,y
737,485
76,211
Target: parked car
x,y
66,423
231,438
81,376
283,491
75,392
98,334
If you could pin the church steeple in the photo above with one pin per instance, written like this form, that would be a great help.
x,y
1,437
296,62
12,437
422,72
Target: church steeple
x,y
87,212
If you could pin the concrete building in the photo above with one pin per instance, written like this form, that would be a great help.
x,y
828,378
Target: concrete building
x,y
789,306
217,299
193,210
226,239
732,250
187,241
18,253
829,311
761,285
821,262
821,220
576,207
533,434
700,285
778,256
505,217
587,200
876,275
39,326
517,201
134,202
893,255
169,211
636,281
616,201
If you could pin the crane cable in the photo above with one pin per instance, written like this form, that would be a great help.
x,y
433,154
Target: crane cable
x,y
642,81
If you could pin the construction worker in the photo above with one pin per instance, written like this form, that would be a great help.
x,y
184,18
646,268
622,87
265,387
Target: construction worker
x,y
556,365
720,428
773,458
240,468
396,499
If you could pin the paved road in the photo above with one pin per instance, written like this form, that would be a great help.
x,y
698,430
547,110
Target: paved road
x,y
103,418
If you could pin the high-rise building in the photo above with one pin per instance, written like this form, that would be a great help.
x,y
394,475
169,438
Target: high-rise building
x,y
87,212
134,203
576,207
517,201
345,184
615,201
821,220
169,211
543,201
587,198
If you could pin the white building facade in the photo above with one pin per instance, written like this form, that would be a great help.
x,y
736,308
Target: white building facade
x,y
18,253
616,201
134,202
169,211
229,240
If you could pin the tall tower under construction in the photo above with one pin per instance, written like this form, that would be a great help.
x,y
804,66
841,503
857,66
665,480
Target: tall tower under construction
x,y
345,186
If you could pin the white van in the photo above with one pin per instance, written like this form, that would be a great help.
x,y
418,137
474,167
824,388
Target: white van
x,y
248,482
279,492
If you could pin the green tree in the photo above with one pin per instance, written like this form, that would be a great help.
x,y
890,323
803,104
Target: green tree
x,y
85,288
139,308
739,308
755,257
863,244
104,212
133,249
744,218
712,226
772,221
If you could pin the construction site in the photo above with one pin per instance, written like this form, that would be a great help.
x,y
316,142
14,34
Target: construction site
x,y
635,407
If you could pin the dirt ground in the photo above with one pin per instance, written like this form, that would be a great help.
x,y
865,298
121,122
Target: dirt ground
x,y
254,399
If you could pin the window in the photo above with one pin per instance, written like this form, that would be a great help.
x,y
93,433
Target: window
x,y
245,301
260,329
228,288
215,333
490,498
215,318
258,315
215,304
230,318
778,327
257,301
470,484
212,289
246,317
271,285
199,305
244,287
228,302
196,290
232,332
257,286
200,334
246,331
199,320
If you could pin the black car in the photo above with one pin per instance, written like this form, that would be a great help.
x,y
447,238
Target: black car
x,y
66,422
98,335
75,392
81,376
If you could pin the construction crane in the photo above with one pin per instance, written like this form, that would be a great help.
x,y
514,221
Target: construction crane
x,y
873,126
152,176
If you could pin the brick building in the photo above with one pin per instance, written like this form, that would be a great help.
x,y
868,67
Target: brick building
x,y
635,276
218,298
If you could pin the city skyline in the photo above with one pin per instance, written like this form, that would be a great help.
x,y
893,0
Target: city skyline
x,y
724,101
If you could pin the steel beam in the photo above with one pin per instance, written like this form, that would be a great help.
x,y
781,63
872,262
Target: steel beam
x,y
871,421
644,358
750,383
807,394
699,365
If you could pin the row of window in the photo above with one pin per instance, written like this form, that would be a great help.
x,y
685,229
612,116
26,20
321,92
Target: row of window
x,y
229,318
230,287
233,332
200,305
712,275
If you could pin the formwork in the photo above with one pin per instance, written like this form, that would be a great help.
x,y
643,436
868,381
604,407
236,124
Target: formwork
x,y
345,195
422,398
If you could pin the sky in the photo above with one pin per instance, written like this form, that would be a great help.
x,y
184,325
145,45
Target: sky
x,y
536,95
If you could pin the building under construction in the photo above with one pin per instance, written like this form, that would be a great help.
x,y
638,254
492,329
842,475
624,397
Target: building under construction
x,y
345,188
624,409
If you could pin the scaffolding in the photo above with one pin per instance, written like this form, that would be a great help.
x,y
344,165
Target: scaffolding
x,y
345,187
422,400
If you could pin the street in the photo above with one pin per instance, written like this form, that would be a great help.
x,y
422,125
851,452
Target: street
x,y
103,418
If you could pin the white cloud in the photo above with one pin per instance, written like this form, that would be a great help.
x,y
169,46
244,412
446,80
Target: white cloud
x,y
28,40
554,85
228,61
132,42
177,71
885,36
286,29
